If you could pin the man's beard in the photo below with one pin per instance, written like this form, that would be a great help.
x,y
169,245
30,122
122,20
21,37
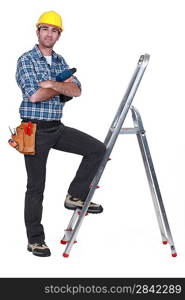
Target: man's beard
x,y
47,44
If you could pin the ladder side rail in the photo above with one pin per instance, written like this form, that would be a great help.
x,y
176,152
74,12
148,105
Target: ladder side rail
x,y
121,106
87,202
138,73
69,229
110,145
152,187
73,219
153,183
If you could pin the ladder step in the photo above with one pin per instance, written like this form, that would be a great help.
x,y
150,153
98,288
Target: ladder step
x,y
63,242
96,186
85,214
129,130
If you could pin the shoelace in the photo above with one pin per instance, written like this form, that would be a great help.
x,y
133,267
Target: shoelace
x,y
39,245
78,199
82,202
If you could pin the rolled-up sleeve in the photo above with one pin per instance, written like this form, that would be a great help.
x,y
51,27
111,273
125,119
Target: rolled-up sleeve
x,y
77,82
26,77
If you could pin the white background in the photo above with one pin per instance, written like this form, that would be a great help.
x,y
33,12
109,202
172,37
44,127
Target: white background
x,y
103,40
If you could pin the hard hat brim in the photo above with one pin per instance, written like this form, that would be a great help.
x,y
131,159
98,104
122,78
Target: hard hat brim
x,y
58,27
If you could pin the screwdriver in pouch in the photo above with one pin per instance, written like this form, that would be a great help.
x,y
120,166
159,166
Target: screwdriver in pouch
x,y
12,142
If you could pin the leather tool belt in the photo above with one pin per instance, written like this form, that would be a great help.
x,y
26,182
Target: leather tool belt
x,y
24,138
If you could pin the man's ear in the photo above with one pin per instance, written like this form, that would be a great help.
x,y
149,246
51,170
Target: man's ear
x,y
37,32
59,35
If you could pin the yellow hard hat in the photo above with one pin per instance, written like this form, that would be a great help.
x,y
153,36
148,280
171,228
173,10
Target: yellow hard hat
x,y
52,18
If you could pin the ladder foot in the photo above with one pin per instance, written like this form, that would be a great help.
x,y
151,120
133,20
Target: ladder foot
x,y
165,242
174,254
65,255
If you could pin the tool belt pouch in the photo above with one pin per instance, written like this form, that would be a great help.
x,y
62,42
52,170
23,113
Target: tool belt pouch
x,y
25,138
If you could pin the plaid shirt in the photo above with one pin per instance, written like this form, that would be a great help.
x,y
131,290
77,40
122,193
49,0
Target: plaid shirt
x,y
32,68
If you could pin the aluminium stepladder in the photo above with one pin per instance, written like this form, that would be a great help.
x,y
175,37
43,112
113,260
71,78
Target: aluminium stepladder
x,y
116,128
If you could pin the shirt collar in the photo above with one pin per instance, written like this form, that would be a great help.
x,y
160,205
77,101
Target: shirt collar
x,y
37,53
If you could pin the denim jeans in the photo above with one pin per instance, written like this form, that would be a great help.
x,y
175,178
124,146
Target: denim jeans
x,y
59,137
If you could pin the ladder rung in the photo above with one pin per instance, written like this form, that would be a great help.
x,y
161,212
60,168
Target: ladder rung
x,y
128,130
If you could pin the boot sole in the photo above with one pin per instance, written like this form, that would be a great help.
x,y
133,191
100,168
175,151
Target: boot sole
x,y
71,207
38,254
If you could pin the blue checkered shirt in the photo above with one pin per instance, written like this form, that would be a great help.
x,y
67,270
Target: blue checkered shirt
x,y
32,68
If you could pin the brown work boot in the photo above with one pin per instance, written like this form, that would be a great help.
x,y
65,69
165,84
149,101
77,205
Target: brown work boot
x,y
74,203
39,249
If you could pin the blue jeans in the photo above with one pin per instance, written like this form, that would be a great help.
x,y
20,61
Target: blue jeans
x,y
59,137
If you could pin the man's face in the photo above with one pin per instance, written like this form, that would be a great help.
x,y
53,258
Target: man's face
x,y
48,35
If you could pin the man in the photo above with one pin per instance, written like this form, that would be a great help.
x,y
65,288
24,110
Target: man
x,y
36,76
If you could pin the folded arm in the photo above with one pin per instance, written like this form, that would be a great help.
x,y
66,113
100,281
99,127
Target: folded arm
x,y
43,94
40,91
